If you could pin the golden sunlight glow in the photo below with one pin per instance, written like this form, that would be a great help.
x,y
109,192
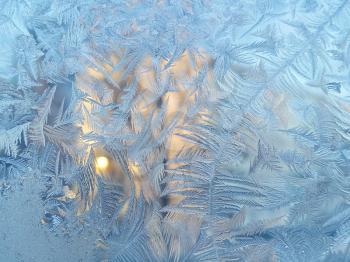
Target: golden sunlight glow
x,y
102,162
176,104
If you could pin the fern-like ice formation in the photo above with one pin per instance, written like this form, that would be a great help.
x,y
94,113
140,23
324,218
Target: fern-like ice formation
x,y
185,130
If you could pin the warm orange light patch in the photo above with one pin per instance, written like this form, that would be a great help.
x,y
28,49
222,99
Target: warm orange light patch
x,y
102,163
152,82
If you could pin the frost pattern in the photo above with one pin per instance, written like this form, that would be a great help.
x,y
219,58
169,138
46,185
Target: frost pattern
x,y
224,127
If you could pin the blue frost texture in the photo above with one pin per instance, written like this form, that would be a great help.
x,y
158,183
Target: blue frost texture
x,y
174,130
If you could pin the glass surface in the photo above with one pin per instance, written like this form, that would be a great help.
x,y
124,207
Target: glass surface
x,y
174,130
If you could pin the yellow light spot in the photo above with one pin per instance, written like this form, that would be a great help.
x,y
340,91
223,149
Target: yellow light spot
x,y
102,162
